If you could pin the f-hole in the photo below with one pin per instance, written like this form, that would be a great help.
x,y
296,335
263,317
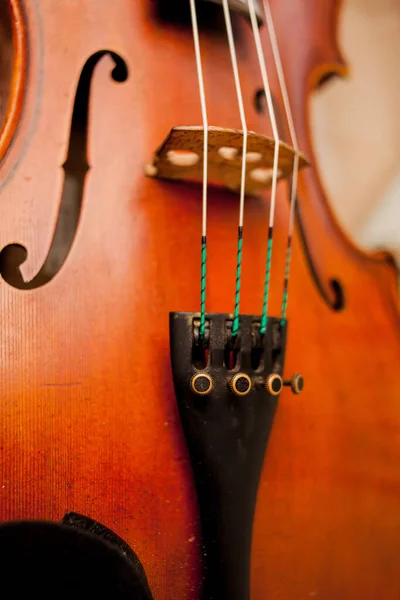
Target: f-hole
x,y
75,167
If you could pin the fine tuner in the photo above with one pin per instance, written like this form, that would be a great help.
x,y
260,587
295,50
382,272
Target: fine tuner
x,y
274,383
240,384
213,97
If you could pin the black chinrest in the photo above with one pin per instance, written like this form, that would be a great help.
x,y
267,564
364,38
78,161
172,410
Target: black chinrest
x,y
78,558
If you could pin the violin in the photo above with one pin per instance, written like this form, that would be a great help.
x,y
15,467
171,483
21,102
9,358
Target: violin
x,y
199,367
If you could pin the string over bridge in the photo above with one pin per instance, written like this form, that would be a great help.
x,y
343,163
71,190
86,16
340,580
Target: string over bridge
x,y
180,157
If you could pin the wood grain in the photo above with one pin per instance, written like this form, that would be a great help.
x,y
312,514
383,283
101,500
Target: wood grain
x,y
89,421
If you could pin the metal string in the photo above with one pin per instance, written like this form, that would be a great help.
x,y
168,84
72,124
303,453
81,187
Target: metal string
x,y
228,23
200,78
271,112
267,91
289,117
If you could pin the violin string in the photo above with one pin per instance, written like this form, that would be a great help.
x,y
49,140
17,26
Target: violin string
x,y
231,42
292,130
271,112
196,40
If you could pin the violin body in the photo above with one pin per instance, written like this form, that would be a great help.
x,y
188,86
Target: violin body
x,y
89,417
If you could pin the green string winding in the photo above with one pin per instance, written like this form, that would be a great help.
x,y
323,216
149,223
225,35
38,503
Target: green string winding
x,y
286,281
264,315
235,324
203,286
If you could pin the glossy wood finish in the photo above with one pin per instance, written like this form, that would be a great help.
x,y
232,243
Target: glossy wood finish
x,y
89,418
13,70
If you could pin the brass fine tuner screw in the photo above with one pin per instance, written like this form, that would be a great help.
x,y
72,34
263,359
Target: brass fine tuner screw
x,y
274,384
296,383
202,384
240,384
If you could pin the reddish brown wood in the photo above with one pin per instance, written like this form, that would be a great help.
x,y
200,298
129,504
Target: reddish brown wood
x,y
89,419
13,67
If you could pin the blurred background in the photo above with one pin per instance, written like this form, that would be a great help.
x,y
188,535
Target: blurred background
x,y
356,125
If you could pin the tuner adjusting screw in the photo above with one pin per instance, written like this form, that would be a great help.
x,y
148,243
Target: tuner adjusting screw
x,y
296,383
240,384
273,384
202,384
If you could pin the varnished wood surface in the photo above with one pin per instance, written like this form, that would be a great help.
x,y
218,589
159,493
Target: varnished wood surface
x,y
13,69
89,418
